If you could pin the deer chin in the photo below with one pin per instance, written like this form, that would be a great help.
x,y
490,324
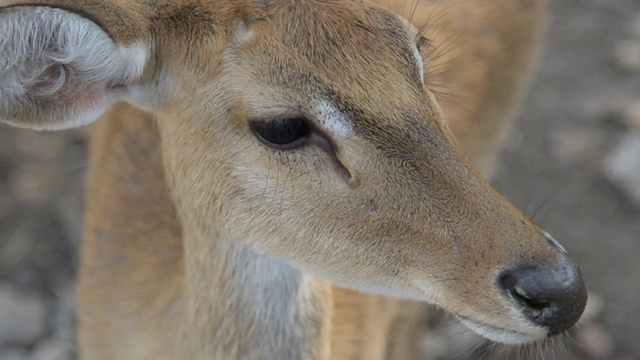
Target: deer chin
x,y
502,335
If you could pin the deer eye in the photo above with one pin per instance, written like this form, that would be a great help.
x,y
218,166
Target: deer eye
x,y
285,133
422,42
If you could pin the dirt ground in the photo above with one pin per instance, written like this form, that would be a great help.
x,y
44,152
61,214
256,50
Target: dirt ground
x,y
553,167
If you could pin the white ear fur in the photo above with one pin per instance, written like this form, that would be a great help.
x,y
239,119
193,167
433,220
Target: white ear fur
x,y
61,67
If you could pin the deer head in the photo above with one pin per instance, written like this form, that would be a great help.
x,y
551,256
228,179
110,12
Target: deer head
x,y
302,130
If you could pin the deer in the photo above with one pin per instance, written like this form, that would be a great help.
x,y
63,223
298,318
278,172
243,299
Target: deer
x,y
286,179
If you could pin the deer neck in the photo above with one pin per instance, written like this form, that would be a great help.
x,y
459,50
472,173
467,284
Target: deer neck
x,y
240,304
220,300
245,305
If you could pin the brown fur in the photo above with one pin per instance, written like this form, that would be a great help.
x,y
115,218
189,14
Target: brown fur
x,y
187,213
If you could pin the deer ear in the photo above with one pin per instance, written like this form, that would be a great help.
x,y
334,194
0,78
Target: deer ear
x,y
59,69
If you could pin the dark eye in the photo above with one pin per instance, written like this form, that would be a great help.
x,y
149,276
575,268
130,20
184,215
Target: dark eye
x,y
422,42
282,133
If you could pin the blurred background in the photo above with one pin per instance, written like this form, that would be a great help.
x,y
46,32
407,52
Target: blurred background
x,y
572,163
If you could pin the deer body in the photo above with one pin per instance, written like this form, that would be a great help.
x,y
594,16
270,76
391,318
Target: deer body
x,y
202,242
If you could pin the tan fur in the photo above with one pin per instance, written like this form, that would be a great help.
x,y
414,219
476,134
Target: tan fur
x,y
483,60
201,243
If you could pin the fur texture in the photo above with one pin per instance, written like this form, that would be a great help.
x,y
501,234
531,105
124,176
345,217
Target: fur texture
x,y
203,242
52,55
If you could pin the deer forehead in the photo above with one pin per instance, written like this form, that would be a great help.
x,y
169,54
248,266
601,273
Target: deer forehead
x,y
293,65
340,39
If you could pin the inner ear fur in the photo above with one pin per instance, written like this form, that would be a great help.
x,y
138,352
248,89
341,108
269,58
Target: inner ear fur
x,y
62,66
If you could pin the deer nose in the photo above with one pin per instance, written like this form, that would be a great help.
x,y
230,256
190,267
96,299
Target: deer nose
x,y
553,298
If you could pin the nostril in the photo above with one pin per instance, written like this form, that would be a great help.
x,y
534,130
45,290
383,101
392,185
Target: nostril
x,y
531,304
523,299
553,298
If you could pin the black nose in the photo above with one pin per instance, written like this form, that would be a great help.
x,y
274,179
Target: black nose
x,y
551,297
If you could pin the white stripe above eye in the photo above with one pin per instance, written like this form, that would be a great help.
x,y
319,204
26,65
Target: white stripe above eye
x,y
419,61
333,119
414,32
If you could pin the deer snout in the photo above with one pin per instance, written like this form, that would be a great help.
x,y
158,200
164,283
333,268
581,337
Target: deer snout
x,y
553,298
